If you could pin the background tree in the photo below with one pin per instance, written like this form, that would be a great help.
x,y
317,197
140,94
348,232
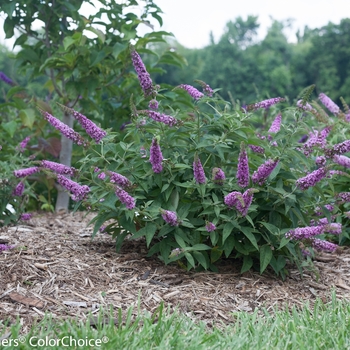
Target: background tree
x,y
91,72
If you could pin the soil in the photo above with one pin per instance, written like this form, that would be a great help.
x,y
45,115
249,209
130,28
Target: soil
x,y
57,268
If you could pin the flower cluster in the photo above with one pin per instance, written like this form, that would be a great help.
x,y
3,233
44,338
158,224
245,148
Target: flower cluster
x,y
242,175
64,129
156,156
306,106
257,149
6,79
342,160
320,244
305,232
125,198
339,148
316,139
153,104
210,227
218,176
119,179
142,74
58,168
26,172
160,117
91,128
170,217
25,216
265,103
276,124
198,171
311,179
79,192
264,171
240,201
192,91
18,191
328,103
4,247
344,197
23,144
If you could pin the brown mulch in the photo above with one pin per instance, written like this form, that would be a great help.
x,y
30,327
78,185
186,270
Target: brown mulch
x,y
57,268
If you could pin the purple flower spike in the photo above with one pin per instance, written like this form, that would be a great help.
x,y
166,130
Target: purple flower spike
x,y
242,175
344,197
316,139
208,90
64,129
79,192
328,103
303,139
23,144
6,79
162,118
153,104
192,91
25,216
257,149
142,74
156,156
59,168
338,149
26,172
240,201
266,103
319,244
170,217
18,191
101,176
306,107
125,198
321,161
305,232
311,179
334,228
264,171
91,128
218,176
198,171
276,124
342,160
210,227
118,179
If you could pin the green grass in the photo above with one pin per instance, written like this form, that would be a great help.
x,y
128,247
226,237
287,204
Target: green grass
x,y
322,327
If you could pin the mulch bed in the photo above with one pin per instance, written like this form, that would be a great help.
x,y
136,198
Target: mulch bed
x,y
57,268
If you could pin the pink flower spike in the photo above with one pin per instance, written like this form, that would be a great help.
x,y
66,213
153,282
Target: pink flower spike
x,y
276,124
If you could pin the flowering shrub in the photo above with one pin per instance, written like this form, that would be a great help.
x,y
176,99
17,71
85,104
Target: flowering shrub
x,y
200,182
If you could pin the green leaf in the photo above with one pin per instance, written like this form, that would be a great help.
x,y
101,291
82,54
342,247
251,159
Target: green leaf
x,y
265,257
10,127
118,48
201,259
101,36
272,228
229,245
227,231
248,232
200,246
190,259
247,263
215,254
27,117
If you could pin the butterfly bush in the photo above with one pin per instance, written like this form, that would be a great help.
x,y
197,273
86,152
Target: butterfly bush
x,y
200,180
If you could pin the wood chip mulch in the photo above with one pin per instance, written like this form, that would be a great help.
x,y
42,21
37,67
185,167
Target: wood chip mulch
x,y
55,267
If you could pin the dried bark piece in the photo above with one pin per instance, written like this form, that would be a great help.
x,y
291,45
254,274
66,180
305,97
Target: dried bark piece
x,y
26,300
